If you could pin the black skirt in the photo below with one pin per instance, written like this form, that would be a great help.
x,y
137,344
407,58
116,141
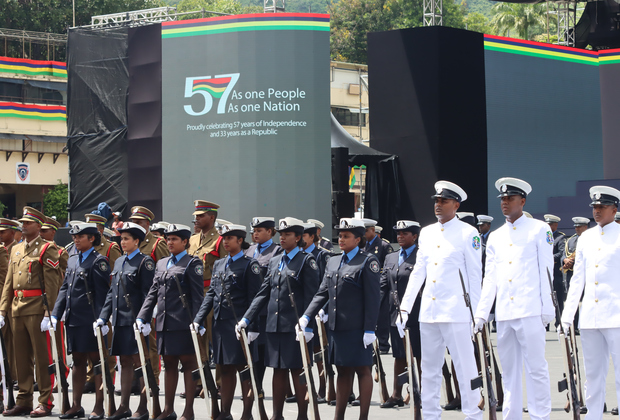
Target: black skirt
x,y
282,351
175,343
124,342
82,339
227,350
398,345
346,348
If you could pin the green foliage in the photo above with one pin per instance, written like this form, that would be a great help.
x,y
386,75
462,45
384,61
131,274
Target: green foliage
x,y
222,6
520,19
478,22
2,208
55,202
479,6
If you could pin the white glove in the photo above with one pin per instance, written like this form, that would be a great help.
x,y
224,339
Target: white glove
x,y
54,322
401,323
2,321
145,329
479,325
240,325
104,328
566,326
45,324
323,316
303,322
252,336
369,338
307,334
155,312
546,319
198,328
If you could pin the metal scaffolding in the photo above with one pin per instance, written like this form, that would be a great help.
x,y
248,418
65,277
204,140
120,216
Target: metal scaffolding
x,y
50,40
274,6
567,19
433,12
135,17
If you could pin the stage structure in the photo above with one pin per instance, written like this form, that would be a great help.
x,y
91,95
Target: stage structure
x,y
203,109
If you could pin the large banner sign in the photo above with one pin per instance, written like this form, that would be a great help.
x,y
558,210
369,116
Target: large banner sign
x,y
246,116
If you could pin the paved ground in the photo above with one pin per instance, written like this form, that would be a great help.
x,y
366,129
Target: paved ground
x,y
554,358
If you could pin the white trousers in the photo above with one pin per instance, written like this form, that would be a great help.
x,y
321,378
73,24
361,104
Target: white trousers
x,y
521,343
434,338
597,345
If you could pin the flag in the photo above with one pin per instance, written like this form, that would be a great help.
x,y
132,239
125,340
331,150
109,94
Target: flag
x,y
352,177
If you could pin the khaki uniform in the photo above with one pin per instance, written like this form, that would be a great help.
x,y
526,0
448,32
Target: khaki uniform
x,y
157,249
25,275
108,249
7,332
208,249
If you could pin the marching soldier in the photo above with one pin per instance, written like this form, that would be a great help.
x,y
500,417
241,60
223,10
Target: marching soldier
x,y
581,225
33,264
324,242
350,287
394,279
596,276
87,272
8,229
208,247
174,340
448,249
484,227
559,241
263,250
7,237
157,249
519,258
299,270
48,232
236,277
108,249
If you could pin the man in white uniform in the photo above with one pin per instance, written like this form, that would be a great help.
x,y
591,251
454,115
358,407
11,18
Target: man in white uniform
x,y
519,255
597,270
446,247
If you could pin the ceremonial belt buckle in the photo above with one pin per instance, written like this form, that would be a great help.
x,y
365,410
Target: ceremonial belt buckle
x,y
20,294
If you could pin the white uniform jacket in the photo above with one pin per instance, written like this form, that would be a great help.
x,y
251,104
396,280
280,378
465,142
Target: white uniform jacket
x,y
518,256
597,269
444,250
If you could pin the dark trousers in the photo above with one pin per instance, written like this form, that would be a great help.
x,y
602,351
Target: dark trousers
x,y
383,325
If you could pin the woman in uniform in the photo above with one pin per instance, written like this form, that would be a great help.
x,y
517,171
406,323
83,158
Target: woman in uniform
x,y
394,279
132,278
299,270
352,280
235,281
175,312
88,272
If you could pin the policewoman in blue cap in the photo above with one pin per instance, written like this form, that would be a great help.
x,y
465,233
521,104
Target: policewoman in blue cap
x,y
394,279
299,270
351,287
87,272
234,283
174,340
132,276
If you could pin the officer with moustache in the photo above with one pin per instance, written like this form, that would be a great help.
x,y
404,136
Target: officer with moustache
x,y
519,258
447,247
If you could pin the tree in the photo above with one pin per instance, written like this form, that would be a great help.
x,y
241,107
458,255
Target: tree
x,y
233,7
478,22
518,17
2,208
55,202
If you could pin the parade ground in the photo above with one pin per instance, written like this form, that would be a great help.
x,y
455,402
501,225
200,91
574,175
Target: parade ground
x,y
553,355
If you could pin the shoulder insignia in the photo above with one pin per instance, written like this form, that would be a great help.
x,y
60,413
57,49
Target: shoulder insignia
x,y
52,263
199,269
390,249
475,243
103,265
549,237
149,265
327,257
313,264
255,268
374,266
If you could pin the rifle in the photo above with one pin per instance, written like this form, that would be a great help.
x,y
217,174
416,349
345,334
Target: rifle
x,y
577,371
260,412
106,378
414,388
568,383
499,389
306,376
56,368
145,369
327,367
485,379
7,381
384,394
203,372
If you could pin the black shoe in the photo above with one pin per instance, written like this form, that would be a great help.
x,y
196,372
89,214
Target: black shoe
x,y
455,404
144,416
291,399
320,400
351,398
614,411
117,392
120,416
393,402
332,402
584,410
355,403
197,395
211,365
77,415
36,387
89,388
172,416
525,410
97,416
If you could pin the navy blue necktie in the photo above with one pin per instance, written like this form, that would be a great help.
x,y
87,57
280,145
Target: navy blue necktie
x,y
81,256
257,251
402,257
345,260
172,261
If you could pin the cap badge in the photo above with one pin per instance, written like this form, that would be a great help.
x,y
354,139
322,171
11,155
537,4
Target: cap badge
x,y
438,190
344,224
504,188
597,195
283,224
255,221
401,225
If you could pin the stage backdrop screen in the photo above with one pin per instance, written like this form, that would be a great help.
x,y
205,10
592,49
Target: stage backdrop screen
x,y
246,116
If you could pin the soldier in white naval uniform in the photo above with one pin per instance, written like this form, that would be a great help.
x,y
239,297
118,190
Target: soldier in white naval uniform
x,y
597,270
446,247
518,257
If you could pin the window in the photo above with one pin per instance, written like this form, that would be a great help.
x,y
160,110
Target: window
x,y
17,92
345,117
